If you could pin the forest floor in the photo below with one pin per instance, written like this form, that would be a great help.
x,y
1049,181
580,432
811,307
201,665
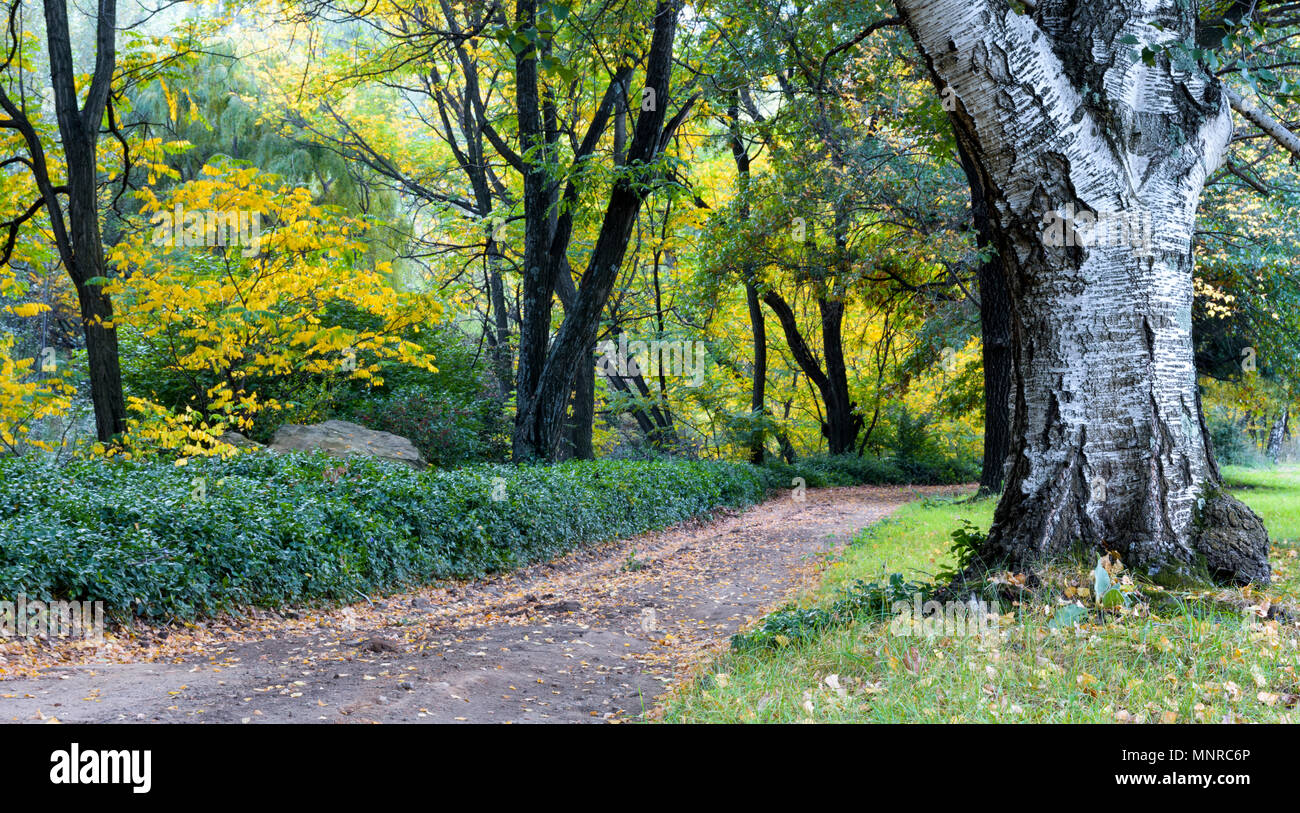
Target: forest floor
x,y
595,636
1200,654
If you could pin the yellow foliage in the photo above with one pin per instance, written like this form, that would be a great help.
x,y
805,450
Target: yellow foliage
x,y
230,285
25,399
28,309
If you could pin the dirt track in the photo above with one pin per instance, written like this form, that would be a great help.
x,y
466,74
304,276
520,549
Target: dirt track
x,y
595,636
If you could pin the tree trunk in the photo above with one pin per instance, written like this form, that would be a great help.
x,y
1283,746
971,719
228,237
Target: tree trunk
x,y
82,247
502,359
758,387
536,292
757,327
1278,434
842,423
995,335
546,375
583,410
655,423
1109,446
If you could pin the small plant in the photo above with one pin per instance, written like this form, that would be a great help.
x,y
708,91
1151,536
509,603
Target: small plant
x,y
861,601
633,564
966,543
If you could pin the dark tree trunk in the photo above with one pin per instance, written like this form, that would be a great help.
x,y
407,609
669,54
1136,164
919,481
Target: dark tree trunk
x,y
995,333
546,375
81,246
655,423
842,423
502,357
538,272
758,395
583,410
582,401
757,327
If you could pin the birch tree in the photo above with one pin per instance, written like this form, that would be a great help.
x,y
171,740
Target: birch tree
x,y
1082,116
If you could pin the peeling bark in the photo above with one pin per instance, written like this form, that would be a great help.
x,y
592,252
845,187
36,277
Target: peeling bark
x,y
1108,447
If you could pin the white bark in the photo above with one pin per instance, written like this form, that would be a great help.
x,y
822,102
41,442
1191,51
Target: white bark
x,y
1108,445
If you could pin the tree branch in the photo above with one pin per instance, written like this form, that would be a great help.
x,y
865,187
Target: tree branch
x,y
1258,117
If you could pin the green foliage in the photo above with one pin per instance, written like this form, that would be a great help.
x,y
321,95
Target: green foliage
x,y
931,468
160,541
917,454
833,470
861,601
447,431
1229,442
966,543
451,415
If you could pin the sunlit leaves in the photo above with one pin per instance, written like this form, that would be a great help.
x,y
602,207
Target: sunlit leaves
x,y
227,314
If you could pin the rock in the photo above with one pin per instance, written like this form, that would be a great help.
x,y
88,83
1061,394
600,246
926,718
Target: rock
x,y
344,439
1233,541
420,602
238,440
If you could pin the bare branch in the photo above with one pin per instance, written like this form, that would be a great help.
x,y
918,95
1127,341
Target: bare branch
x,y
1258,117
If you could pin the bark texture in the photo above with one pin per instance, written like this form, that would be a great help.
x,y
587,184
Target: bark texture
x,y
1108,443
547,369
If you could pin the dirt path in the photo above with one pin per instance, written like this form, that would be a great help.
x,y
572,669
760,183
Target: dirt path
x,y
594,636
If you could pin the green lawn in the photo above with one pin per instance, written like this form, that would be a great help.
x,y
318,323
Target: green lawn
x,y
1181,658
1273,493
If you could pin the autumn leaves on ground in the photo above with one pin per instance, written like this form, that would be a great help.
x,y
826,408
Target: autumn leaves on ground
x,y
638,630
1053,655
598,635
304,306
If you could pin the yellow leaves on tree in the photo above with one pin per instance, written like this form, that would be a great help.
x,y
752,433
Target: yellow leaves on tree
x,y
25,399
237,280
28,309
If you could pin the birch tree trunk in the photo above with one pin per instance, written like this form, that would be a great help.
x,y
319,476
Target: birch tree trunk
x,y
1109,449
1277,435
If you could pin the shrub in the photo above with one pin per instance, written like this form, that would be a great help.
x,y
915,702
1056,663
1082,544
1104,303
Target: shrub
x,y
159,541
1231,444
861,601
449,430
849,470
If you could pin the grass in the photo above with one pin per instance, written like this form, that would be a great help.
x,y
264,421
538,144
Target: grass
x,y
1183,657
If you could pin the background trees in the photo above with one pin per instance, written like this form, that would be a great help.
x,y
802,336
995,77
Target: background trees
x,y
526,190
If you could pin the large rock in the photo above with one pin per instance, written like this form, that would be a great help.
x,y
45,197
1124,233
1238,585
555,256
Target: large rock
x,y
238,440
343,439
